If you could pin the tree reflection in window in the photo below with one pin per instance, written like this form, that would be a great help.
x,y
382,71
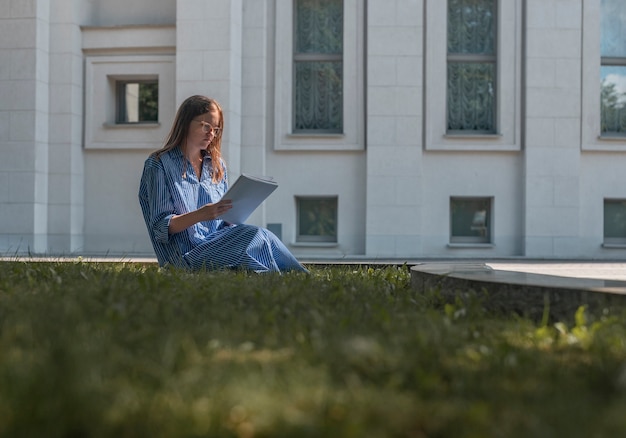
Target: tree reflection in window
x,y
613,100
613,69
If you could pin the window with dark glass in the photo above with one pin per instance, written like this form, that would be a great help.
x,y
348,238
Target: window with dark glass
x,y
318,66
137,101
615,221
316,219
613,68
472,66
470,220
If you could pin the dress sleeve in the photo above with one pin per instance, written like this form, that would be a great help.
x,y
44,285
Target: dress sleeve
x,y
155,200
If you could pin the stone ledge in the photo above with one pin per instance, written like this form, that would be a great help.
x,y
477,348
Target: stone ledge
x,y
519,292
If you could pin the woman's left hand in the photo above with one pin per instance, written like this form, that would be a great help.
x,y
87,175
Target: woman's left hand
x,y
207,212
213,211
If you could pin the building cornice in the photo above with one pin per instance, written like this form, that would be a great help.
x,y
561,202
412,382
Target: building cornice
x,y
109,40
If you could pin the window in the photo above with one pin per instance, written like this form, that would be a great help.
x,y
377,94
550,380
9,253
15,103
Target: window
x,y
319,103
472,68
316,219
615,221
476,45
613,68
470,220
318,66
137,101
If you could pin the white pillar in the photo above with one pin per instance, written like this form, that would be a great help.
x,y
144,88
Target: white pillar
x,y
66,175
552,121
209,62
394,134
24,67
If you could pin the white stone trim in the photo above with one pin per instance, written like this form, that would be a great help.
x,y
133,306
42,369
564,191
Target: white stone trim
x,y
117,39
101,72
122,53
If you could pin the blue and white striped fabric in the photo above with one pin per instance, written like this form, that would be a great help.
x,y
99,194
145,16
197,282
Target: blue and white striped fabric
x,y
165,192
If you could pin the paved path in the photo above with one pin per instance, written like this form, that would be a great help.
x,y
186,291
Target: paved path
x,y
529,287
605,270
597,270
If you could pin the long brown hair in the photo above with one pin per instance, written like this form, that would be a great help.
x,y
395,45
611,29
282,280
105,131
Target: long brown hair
x,y
191,108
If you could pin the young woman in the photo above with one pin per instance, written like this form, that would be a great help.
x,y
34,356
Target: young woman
x,y
180,196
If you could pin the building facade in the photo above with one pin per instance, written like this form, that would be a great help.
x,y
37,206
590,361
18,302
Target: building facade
x,y
395,128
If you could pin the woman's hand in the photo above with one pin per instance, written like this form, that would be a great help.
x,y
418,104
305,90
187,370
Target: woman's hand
x,y
207,212
213,211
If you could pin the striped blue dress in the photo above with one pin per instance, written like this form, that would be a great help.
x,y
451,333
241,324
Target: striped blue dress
x,y
165,192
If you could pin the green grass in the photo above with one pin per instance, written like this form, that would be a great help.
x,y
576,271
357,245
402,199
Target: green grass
x,y
124,350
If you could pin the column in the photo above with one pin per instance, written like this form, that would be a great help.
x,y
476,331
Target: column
x,y
24,87
394,132
552,123
66,161
209,62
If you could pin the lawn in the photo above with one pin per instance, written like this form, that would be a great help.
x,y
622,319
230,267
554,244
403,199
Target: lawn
x,y
127,350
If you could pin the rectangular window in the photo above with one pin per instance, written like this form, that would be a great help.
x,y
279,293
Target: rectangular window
x,y
613,68
137,101
471,66
470,220
615,221
318,66
316,219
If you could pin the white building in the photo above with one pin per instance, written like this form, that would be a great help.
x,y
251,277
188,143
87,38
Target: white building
x,y
395,128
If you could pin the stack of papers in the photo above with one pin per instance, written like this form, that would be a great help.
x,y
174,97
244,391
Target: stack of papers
x,y
247,193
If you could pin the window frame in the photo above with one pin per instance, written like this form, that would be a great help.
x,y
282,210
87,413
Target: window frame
x,y
352,137
592,62
619,242
507,136
489,219
474,58
101,75
298,58
317,239
121,111
610,61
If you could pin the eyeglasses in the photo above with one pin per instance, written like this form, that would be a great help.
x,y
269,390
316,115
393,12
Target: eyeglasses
x,y
207,127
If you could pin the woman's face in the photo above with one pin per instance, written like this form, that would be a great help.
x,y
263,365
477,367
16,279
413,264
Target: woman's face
x,y
204,129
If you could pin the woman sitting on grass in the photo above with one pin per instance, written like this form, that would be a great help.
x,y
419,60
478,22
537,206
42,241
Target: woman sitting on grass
x,y
180,196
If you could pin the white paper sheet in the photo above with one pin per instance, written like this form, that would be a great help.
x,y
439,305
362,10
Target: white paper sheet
x,y
247,193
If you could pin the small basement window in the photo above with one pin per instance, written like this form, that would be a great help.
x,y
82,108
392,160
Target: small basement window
x,y
615,221
316,219
470,220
